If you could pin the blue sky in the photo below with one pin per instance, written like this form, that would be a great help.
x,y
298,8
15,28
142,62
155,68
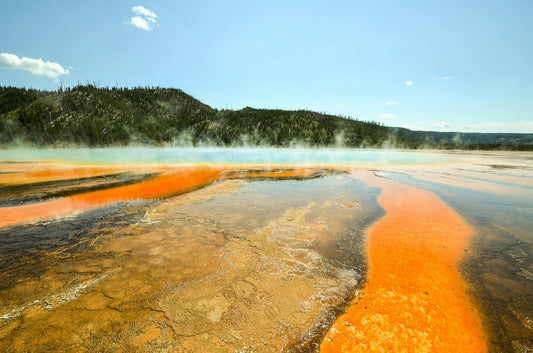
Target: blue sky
x,y
427,65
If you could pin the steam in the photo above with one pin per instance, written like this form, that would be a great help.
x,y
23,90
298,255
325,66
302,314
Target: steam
x,y
187,139
216,155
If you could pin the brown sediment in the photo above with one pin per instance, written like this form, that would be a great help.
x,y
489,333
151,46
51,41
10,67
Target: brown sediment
x,y
414,299
215,276
499,271
198,273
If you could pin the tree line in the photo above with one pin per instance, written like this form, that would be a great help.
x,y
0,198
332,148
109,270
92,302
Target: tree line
x,y
86,115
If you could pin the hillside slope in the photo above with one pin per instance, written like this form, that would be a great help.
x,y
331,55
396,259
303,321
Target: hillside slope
x,y
91,116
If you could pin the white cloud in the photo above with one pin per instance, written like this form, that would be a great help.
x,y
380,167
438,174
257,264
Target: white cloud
x,y
141,23
522,126
139,10
143,19
442,125
445,78
391,103
35,66
388,116
409,83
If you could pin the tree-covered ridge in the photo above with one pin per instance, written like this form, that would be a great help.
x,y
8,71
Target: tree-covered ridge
x,y
92,116
86,115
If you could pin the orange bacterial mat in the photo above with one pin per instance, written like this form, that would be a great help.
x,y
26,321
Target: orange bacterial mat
x,y
414,299
170,182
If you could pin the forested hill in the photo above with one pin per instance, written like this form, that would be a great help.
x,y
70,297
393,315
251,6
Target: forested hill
x,y
92,116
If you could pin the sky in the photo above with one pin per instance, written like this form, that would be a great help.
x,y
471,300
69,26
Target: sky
x,y
424,65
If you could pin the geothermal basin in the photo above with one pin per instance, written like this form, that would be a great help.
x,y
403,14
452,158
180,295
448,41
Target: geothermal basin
x,y
265,250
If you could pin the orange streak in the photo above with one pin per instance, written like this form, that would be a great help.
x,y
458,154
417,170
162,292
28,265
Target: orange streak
x,y
414,300
53,174
171,182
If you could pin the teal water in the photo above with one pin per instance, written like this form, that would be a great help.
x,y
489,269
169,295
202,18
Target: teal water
x,y
140,155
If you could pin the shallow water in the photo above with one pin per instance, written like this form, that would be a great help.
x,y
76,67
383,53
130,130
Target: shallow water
x,y
239,249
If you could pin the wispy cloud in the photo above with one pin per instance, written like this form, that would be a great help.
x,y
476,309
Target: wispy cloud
x,y
442,125
35,66
391,103
522,126
143,18
142,11
141,23
409,83
388,116
445,78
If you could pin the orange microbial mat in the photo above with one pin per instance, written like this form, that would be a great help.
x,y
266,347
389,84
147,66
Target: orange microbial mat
x,y
229,257
414,299
171,181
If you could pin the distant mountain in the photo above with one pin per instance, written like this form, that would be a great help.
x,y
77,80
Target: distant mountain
x,y
92,116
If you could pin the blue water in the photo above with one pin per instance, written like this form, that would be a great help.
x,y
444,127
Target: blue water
x,y
140,155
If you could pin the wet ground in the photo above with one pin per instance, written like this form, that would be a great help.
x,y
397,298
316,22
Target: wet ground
x,y
258,262
414,298
247,258
494,193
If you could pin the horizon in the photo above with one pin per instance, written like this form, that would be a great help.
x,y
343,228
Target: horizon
x,y
450,67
